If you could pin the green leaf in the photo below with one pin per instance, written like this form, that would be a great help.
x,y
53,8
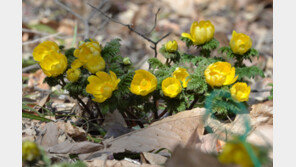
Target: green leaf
x,y
155,63
34,117
249,72
211,45
187,41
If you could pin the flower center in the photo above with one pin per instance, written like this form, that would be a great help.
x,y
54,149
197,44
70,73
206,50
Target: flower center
x,y
144,84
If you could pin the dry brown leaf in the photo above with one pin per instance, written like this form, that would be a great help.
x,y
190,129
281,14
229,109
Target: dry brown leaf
x,y
225,130
262,136
116,163
48,136
166,133
189,157
36,79
262,114
68,147
115,125
76,133
42,102
154,159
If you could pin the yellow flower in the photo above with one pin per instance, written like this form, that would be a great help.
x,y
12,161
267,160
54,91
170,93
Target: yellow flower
x,y
88,50
43,49
95,64
235,152
171,46
76,64
240,43
181,74
30,151
102,85
240,91
171,87
73,74
143,83
200,32
54,64
220,73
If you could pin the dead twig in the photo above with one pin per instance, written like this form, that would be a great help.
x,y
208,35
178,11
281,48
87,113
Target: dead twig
x,y
29,68
86,21
155,22
130,27
41,39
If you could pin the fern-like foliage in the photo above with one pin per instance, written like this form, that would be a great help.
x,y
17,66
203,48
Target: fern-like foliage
x,y
221,104
239,58
249,72
154,63
112,57
187,41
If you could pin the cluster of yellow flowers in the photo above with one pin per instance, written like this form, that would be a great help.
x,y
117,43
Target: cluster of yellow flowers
x,y
52,62
89,56
221,73
145,82
101,85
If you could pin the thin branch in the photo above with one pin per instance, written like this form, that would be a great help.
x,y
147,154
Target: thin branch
x,y
193,103
129,26
34,31
155,22
258,91
41,39
163,112
85,21
94,11
31,67
91,114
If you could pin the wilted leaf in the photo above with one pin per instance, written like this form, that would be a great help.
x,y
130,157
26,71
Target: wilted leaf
x,y
154,159
189,157
74,148
166,133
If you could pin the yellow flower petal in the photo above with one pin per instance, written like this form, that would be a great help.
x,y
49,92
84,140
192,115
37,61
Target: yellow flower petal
x,y
43,49
73,74
240,43
182,75
220,73
171,87
240,91
143,83
171,46
102,85
54,64
200,32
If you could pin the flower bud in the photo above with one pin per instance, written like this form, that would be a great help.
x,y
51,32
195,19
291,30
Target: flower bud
x,y
30,151
73,74
240,91
200,32
127,61
240,43
171,46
